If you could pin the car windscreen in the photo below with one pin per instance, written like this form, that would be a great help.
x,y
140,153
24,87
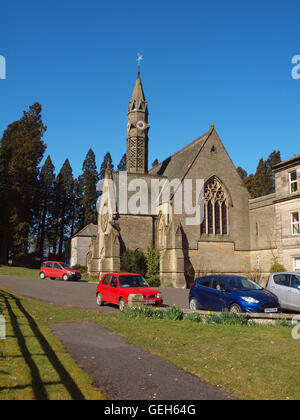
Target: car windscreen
x,y
64,265
242,284
132,281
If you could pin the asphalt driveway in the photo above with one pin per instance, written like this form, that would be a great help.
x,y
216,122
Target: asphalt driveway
x,y
76,294
123,371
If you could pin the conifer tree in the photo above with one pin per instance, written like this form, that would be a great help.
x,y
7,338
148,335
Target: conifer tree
x,y
21,152
64,184
107,163
77,218
123,163
155,162
263,181
88,180
46,203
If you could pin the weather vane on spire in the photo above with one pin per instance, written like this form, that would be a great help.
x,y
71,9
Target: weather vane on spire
x,y
139,59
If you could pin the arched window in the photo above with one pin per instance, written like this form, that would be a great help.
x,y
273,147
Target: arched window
x,y
215,209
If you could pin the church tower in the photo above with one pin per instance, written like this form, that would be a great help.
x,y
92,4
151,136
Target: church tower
x,y
137,131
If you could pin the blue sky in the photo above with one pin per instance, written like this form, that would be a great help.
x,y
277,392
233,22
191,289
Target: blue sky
x,y
223,63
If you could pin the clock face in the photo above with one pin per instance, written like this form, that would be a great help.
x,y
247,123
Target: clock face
x,y
141,125
128,127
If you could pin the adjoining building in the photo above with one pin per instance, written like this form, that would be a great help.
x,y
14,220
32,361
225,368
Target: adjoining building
x,y
78,246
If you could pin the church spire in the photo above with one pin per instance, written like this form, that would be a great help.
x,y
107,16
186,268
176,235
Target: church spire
x,y
137,130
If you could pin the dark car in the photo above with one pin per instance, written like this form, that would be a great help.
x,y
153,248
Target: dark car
x,y
233,293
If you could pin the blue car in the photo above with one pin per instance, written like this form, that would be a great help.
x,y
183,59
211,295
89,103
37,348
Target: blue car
x,y
232,293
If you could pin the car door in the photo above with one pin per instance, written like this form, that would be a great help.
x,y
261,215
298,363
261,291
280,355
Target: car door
x,y
218,297
112,290
57,271
202,292
50,270
104,287
280,285
47,267
294,292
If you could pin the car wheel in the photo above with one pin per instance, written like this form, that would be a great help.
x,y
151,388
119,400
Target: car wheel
x,y
42,276
121,304
194,305
99,299
65,277
235,308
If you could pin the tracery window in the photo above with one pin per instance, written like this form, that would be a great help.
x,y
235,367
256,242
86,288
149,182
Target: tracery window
x,y
215,209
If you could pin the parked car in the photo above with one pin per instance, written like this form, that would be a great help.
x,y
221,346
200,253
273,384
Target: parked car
x,y
116,287
233,293
286,286
58,270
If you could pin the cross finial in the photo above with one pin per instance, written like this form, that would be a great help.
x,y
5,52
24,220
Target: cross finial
x,y
139,59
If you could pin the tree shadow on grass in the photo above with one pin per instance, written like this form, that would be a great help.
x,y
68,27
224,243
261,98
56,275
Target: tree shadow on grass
x,y
37,384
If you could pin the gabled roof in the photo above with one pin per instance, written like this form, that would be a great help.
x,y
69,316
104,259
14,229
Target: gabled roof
x,y
88,230
180,162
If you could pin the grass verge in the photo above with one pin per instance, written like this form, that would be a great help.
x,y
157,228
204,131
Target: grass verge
x,y
34,364
18,272
250,362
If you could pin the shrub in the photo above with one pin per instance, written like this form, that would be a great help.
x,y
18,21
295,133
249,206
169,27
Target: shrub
x,y
173,313
152,264
226,318
192,317
81,268
134,261
143,312
283,323
276,267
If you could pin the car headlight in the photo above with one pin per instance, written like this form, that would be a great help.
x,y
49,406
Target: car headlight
x,y
250,299
158,295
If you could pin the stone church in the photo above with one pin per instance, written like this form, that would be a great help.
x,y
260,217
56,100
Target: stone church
x,y
234,235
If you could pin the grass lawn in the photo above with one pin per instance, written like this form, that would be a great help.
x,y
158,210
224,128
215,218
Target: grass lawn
x,y
34,364
18,272
31,273
250,362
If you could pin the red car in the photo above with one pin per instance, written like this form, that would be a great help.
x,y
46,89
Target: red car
x,y
116,287
58,270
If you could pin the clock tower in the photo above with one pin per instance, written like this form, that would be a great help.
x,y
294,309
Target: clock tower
x,y
137,131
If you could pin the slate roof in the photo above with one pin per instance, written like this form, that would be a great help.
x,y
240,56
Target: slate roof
x,y
88,230
178,164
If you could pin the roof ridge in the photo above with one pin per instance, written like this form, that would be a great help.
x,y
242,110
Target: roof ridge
x,y
182,149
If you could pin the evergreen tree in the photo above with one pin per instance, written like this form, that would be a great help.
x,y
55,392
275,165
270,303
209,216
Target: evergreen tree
x,y
242,172
88,180
263,182
107,163
46,203
77,222
155,162
152,263
64,186
21,152
123,163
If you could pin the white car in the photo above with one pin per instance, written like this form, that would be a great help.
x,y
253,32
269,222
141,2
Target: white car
x,y
286,286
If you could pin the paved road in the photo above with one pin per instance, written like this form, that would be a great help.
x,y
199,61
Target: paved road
x,y
123,371
76,294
